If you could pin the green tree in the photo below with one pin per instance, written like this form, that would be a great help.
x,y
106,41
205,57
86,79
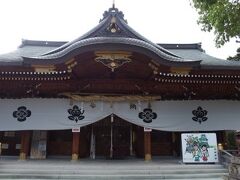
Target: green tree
x,y
221,16
236,57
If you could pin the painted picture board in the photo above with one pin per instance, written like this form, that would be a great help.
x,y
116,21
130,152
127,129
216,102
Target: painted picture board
x,y
199,148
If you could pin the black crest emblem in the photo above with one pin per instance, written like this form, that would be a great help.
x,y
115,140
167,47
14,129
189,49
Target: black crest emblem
x,y
147,115
200,115
22,113
76,114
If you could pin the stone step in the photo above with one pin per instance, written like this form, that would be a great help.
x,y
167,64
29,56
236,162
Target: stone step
x,y
114,170
115,176
144,178
111,171
105,165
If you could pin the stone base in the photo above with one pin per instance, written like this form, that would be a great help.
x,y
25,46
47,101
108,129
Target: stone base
x,y
75,157
22,156
148,157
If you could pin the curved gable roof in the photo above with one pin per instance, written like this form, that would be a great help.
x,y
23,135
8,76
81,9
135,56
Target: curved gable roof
x,y
112,29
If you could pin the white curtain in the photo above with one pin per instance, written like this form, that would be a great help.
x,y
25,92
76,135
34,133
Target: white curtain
x,y
49,114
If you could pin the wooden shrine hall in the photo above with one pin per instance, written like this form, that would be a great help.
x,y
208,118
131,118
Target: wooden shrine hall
x,y
112,93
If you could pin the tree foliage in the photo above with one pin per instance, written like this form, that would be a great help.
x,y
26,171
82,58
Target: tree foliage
x,y
236,57
221,16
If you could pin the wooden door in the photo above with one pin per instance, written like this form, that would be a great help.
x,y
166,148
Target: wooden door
x,y
139,141
102,131
162,144
85,141
59,143
121,138
117,131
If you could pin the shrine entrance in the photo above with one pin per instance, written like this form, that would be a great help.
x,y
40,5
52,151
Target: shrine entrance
x,y
113,138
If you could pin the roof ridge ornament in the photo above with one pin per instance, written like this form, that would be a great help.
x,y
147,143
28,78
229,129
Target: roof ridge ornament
x,y
113,11
113,4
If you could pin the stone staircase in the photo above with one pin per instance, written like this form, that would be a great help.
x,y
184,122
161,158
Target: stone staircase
x,y
108,169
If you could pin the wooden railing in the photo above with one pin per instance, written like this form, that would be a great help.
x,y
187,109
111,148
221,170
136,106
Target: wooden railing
x,y
225,157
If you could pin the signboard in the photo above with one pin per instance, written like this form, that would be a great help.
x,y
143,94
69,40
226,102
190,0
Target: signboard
x,y
147,129
76,129
199,148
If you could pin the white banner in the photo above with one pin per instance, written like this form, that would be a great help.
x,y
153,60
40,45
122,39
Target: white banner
x,y
49,114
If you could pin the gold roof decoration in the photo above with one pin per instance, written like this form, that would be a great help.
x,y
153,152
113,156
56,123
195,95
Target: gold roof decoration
x,y
113,59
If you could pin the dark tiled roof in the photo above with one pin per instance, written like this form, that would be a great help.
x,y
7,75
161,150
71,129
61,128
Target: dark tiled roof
x,y
208,61
53,44
113,40
16,57
32,48
182,46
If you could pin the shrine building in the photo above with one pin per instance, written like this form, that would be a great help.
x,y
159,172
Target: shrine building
x,y
112,93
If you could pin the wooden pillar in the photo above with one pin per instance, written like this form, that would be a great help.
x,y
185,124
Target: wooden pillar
x,y
225,139
147,146
75,145
25,144
38,144
174,144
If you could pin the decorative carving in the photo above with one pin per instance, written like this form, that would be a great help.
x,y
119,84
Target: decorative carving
x,y
147,115
76,114
199,115
113,59
22,113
